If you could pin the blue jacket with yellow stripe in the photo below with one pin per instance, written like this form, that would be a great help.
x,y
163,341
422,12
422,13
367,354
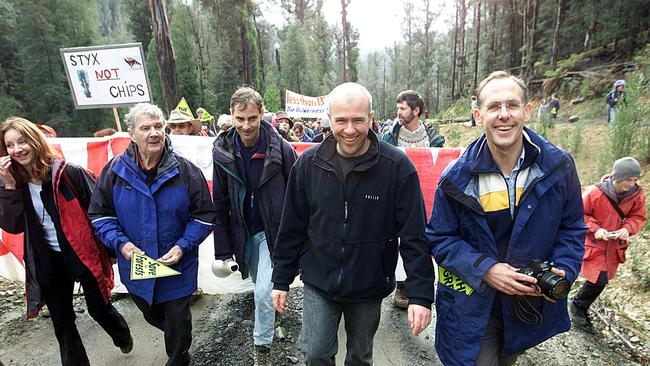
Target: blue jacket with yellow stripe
x,y
548,224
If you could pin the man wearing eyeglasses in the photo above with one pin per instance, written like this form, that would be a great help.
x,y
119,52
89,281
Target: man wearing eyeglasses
x,y
512,197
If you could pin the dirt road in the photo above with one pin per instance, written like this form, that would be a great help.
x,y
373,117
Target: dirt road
x,y
222,328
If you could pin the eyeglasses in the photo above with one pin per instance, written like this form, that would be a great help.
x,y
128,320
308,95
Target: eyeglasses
x,y
498,107
173,126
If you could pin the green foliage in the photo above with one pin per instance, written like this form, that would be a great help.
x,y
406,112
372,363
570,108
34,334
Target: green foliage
x,y
628,138
139,22
576,137
458,109
153,74
543,125
452,139
186,53
272,98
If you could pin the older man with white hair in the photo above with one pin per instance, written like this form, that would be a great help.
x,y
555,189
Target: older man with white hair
x,y
349,199
149,200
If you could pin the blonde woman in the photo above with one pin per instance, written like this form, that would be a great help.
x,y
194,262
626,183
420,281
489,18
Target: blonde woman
x,y
47,199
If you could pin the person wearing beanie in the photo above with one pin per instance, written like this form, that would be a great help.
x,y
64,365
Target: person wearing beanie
x,y
613,98
615,209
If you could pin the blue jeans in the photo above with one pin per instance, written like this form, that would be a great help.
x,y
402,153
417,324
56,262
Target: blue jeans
x,y
261,269
320,324
611,116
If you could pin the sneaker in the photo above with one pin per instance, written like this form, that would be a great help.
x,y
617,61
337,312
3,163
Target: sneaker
x,y
262,356
401,301
128,347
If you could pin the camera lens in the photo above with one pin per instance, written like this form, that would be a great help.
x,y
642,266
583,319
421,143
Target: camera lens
x,y
554,286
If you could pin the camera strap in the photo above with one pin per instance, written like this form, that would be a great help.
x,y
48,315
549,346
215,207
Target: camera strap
x,y
526,312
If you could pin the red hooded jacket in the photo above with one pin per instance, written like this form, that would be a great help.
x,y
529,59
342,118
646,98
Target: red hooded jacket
x,y
605,255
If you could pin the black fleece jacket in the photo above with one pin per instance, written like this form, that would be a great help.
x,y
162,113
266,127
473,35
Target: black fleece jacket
x,y
343,231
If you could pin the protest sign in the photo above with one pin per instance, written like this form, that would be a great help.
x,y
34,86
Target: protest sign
x,y
183,106
106,76
298,105
144,267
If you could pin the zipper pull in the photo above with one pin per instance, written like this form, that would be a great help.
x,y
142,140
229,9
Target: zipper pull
x,y
346,211
252,199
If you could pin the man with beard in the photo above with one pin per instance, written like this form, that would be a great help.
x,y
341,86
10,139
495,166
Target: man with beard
x,y
409,132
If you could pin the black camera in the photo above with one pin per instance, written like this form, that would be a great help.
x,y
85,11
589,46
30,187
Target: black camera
x,y
554,286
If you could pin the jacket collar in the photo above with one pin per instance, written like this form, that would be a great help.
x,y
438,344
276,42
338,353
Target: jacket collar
x,y
225,148
606,185
484,162
167,161
541,156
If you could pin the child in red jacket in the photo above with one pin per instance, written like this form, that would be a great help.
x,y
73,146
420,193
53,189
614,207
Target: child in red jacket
x,y
615,209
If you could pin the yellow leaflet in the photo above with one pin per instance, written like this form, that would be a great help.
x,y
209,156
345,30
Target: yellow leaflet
x,y
144,267
452,281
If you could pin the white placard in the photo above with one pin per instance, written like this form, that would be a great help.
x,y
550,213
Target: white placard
x,y
298,105
106,76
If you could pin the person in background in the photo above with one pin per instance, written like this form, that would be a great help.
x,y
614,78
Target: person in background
x,y
615,209
205,130
325,129
408,131
47,198
105,132
48,131
284,122
613,98
181,123
251,168
306,128
349,200
554,106
542,109
150,200
299,131
317,126
473,105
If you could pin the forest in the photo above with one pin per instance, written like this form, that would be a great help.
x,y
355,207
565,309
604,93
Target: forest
x,y
204,49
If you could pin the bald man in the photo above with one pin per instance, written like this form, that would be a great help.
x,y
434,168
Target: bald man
x,y
348,201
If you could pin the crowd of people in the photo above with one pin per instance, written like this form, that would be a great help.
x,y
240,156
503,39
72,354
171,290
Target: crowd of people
x,y
509,230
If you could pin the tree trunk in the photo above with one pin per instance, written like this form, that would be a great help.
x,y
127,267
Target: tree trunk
x,y
383,88
530,49
164,53
493,37
437,88
556,33
462,55
513,32
195,23
426,54
453,60
246,55
477,38
259,51
346,37
408,9
524,33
